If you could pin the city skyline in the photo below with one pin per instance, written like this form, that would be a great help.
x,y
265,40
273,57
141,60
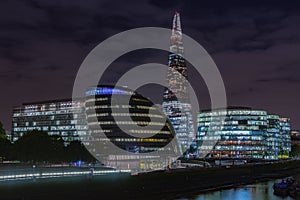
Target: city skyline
x,y
100,117
149,100
256,53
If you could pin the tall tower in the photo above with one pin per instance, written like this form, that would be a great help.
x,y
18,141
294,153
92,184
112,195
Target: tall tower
x,y
176,84
176,103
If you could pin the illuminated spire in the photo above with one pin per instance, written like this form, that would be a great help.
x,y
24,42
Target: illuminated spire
x,y
176,24
176,37
176,85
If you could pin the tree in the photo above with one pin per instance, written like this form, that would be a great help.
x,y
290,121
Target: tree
x,y
295,151
57,149
76,151
38,146
2,131
5,145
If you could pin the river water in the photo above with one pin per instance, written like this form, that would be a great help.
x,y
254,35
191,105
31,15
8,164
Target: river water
x,y
258,191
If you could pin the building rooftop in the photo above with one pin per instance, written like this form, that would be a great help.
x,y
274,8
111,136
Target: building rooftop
x,y
229,108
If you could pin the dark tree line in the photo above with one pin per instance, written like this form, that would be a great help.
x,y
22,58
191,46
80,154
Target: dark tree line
x,y
38,146
295,150
5,145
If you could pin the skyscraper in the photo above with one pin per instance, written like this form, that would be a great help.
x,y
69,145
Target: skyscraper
x,y
176,98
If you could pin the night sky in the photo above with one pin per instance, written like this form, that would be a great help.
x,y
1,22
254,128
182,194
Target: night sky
x,y
255,46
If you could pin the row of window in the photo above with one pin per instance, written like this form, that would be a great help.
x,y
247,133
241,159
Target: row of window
x,y
126,123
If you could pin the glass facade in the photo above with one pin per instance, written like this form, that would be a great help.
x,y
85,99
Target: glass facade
x,y
175,100
104,118
285,131
273,140
58,117
238,132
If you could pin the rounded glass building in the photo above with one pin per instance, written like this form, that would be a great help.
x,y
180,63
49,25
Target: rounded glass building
x,y
237,132
241,132
127,131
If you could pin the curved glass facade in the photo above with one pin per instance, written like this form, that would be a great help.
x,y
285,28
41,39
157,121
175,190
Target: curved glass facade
x,y
285,131
104,118
242,132
274,140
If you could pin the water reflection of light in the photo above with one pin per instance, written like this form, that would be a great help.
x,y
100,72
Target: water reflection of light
x,y
59,174
249,192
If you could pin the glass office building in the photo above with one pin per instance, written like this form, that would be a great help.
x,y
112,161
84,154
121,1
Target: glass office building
x,y
125,131
176,103
57,117
273,139
285,131
239,132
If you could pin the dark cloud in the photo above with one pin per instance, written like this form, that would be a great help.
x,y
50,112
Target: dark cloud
x,y
52,67
15,57
289,79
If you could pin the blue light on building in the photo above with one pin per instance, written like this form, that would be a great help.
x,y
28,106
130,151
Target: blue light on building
x,y
106,91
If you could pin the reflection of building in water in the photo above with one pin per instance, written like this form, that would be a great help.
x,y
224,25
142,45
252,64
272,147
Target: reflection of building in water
x,y
241,132
127,135
176,102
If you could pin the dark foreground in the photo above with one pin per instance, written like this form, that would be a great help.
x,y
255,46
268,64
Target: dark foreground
x,y
157,185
